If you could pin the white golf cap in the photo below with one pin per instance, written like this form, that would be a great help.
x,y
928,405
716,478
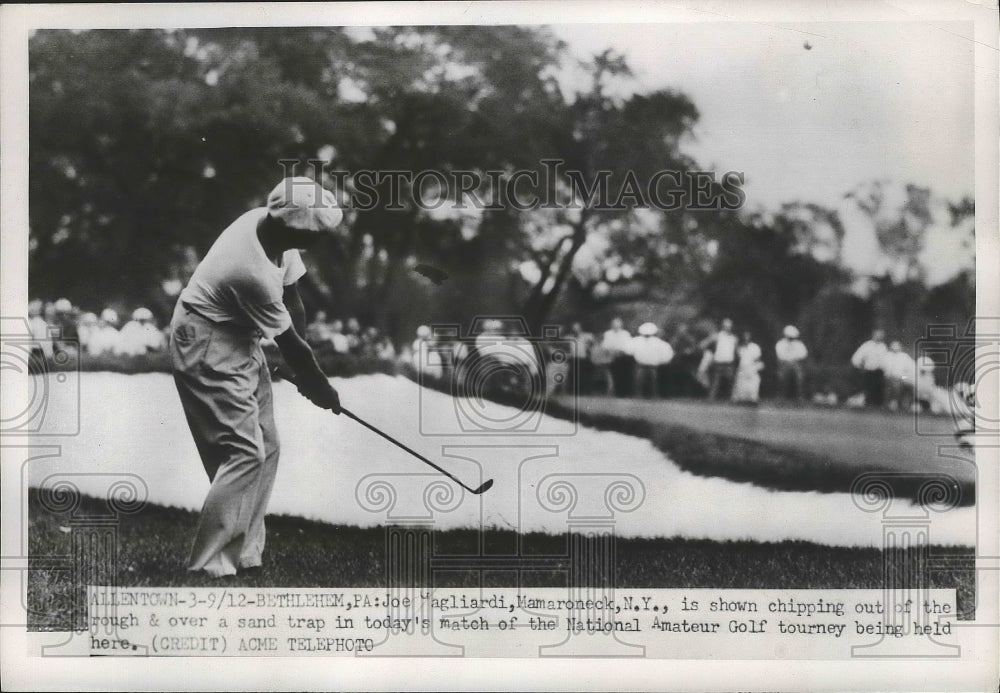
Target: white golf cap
x,y
791,331
424,331
142,314
302,203
648,329
110,316
63,305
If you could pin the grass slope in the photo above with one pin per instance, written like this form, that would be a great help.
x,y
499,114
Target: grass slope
x,y
153,544
737,459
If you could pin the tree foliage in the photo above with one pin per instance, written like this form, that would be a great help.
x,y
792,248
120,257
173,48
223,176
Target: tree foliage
x,y
146,144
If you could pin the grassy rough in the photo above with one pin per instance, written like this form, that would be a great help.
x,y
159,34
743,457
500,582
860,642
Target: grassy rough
x,y
153,543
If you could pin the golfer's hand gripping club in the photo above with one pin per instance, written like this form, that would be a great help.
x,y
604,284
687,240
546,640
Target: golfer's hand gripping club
x,y
323,397
309,377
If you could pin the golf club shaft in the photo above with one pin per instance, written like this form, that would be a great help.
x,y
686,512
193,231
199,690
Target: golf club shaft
x,y
351,415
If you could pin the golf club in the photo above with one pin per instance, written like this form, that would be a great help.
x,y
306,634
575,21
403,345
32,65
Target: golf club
x,y
351,415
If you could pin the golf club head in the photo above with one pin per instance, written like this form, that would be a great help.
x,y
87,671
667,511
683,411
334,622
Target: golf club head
x,y
484,488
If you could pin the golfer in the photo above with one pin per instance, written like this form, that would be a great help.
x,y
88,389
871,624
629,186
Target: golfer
x,y
243,290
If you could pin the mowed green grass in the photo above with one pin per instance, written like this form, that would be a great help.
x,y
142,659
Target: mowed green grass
x,y
152,545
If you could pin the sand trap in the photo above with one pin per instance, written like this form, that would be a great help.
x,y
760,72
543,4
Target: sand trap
x,y
543,482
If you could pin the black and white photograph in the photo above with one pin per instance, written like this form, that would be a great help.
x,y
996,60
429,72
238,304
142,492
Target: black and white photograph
x,y
556,346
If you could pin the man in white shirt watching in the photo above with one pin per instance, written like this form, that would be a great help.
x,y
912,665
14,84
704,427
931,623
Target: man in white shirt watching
x,y
723,344
244,290
650,352
791,352
869,359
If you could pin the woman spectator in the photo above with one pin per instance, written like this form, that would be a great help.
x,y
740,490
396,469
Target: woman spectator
x,y
746,388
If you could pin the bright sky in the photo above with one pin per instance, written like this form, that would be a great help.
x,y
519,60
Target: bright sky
x,y
868,100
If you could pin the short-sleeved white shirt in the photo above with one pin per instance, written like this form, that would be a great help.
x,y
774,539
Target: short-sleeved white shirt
x,y
725,347
617,341
650,351
237,283
790,350
870,355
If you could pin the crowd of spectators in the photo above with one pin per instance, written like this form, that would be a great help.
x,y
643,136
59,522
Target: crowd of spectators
x,y
59,325
725,364
892,378
348,337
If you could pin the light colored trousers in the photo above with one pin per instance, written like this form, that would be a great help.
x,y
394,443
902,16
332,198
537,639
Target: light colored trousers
x,y
225,389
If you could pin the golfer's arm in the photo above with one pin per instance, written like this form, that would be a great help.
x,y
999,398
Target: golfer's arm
x,y
299,357
293,302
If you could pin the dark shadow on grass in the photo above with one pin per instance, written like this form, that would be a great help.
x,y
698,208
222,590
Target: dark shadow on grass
x,y
153,544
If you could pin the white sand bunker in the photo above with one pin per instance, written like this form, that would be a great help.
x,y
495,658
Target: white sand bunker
x,y
334,470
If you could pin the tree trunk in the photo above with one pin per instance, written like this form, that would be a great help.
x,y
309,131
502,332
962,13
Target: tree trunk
x,y
539,305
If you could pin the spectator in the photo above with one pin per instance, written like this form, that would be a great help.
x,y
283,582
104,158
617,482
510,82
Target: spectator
x,y
353,334
339,340
723,365
86,328
155,338
928,394
900,369
105,339
680,371
650,352
385,349
424,334
580,372
616,342
318,331
791,353
370,339
515,357
601,359
869,359
428,359
64,321
40,329
746,388
139,335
